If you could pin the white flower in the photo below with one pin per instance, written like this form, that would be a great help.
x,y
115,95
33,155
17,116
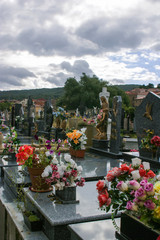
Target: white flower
x,y
136,161
83,130
67,157
146,165
135,174
158,177
79,169
47,153
46,171
54,160
61,171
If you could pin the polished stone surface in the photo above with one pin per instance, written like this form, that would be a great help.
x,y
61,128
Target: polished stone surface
x,y
61,214
99,230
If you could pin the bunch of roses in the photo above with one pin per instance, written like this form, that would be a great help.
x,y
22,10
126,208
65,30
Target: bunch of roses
x,y
26,156
155,141
134,188
63,173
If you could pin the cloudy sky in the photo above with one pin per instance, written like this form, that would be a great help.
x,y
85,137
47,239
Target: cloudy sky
x,y
44,42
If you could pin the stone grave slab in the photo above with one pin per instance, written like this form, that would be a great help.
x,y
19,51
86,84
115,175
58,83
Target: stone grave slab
x,y
99,230
56,217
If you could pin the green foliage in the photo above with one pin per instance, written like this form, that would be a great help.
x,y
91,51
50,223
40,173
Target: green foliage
x,y
116,91
130,111
5,105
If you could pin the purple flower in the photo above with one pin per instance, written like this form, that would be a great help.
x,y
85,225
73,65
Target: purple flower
x,y
59,140
131,206
149,204
143,182
59,153
122,186
140,194
48,141
148,187
53,140
36,137
58,146
48,147
51,152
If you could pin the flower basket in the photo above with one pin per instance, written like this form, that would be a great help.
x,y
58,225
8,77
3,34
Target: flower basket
x,y
38,183
67,195
133,229
77,153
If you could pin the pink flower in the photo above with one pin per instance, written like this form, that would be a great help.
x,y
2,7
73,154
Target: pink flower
x,y
149,204
122,186
149,189
131,206
143,182
133,184
81,182
140,194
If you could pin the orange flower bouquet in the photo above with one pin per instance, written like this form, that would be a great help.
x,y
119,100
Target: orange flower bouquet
x,y
77,139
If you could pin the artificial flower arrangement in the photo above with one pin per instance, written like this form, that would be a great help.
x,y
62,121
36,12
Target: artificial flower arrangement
x,y
27,154
77,139
63,173
11,142
150,142
133,188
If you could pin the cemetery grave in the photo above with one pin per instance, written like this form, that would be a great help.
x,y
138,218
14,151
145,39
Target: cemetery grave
x,y
82,220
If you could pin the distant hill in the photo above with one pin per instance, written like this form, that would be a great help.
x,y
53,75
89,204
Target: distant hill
x,y
46,93
128,87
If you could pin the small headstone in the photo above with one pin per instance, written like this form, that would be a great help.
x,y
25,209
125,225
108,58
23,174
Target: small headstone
x,y
104,93
115,139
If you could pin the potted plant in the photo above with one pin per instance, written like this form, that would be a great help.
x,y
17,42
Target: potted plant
x,y
11,144
77,140
149,145
33,222
65,175
134,189
36,163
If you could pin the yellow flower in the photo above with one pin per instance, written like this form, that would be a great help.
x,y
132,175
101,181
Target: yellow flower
x,y
76,141
156,213
157,187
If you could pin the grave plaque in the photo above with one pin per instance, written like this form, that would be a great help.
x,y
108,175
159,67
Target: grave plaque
x,y
147,118
115,139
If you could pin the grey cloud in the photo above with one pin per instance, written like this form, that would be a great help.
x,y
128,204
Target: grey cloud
x,y
75,70
118,81
156,47
112,34
14,76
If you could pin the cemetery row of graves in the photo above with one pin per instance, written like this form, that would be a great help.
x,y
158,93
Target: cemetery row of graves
x,y
71,178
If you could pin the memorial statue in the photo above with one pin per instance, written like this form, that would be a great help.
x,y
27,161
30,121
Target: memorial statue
x,y
101,126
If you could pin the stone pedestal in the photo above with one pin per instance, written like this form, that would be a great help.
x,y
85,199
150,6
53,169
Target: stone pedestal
x,y
100,144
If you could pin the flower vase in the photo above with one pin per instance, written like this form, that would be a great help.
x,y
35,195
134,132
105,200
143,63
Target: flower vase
x,y
154,154
132,228
77,153
67,195
38,183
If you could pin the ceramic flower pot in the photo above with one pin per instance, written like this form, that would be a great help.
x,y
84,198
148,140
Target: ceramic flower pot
x,y
67,195
132,228
38,183
77,153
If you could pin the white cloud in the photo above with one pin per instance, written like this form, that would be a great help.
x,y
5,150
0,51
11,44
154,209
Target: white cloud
x,y
52,40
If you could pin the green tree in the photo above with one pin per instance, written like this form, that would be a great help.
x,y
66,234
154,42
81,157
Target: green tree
x,y
5,106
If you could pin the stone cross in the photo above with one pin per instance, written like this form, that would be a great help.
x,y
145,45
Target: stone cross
x,y
104,93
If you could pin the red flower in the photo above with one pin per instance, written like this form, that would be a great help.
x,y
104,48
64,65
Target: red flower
x,y
142,172
155,141
125,167
104,200
100,185
158,238
151,174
